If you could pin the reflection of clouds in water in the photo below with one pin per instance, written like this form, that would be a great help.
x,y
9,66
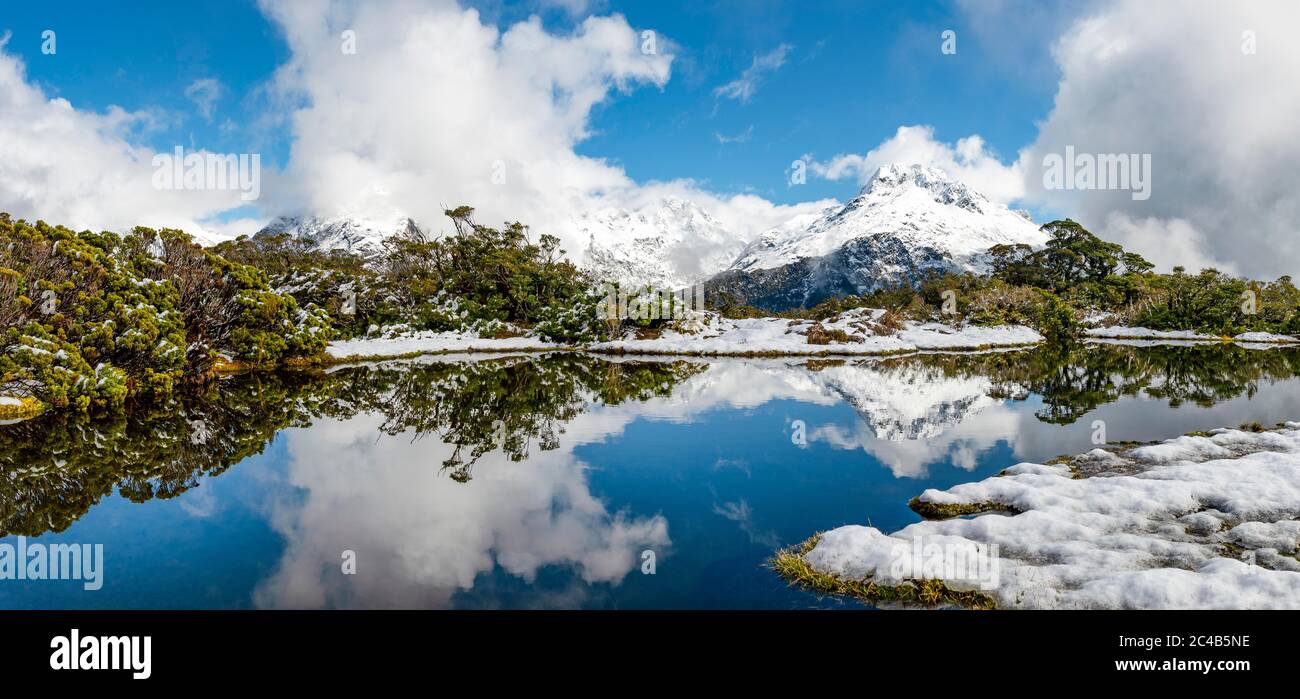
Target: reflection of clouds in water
x,y
199,502
959,444
741,514
419,537
1014,422
735,383
737,464
911,416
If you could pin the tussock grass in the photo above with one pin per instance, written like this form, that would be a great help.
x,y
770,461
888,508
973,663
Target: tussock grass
x,y
934,510
27,407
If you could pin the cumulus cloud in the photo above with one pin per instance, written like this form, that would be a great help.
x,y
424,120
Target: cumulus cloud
x,y
970,160
747,215
82,168
437,109
744,87
1177,81
1170,242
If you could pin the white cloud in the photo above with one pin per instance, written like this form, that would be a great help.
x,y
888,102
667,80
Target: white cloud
x,y
435,102
969,160
748,215
437,109
744,87
83,169
474,102
1171,79
1173,242
431,106
204,93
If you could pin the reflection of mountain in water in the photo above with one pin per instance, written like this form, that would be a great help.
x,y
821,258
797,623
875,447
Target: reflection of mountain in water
x,y
907,401
53,469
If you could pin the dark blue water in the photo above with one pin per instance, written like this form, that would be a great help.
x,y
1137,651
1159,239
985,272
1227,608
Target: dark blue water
x,y
704,478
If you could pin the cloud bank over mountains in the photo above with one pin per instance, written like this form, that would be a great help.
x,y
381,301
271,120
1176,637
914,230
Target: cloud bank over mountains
x,y
1201,86
1178,81
437,107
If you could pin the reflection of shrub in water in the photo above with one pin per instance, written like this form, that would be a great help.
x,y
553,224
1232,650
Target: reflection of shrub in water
x,y
1076,379
506,404
54,468
59,465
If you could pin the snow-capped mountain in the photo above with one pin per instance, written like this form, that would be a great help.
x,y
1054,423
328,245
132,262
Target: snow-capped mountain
x,y
354,234
907,220
668,244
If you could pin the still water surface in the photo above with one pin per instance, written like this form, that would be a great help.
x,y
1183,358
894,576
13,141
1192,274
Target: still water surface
x,y
555,481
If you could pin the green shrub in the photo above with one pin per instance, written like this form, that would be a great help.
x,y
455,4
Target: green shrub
x,y
94,319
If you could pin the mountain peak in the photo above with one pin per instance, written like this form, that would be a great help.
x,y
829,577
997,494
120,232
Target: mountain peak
x,y
915,173
907,220
895,178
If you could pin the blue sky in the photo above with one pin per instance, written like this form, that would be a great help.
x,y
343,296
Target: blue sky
x,y
557,94
145,58
853,73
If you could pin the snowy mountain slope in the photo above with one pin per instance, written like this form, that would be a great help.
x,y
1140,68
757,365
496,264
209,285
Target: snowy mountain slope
x,y
908,219
354,234
668,244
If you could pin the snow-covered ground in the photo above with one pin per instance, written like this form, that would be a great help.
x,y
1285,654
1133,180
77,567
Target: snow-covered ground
x,y
1127,333
1119,332
432,343
708,334
1192,522
722,336
1264,338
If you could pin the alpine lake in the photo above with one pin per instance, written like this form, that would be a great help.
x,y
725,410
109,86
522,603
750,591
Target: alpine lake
x,y
568,480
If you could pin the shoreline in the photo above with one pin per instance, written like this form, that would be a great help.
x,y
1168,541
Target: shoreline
x,y
921,338
1205,520
763,338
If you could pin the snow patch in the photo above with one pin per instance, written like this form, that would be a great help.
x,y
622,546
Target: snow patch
x,y
1167,535
723,336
